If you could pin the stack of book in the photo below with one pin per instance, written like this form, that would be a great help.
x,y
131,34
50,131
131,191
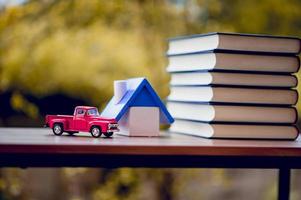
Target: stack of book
x,y
234,85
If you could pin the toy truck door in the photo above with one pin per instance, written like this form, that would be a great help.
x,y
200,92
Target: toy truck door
x,y
79,121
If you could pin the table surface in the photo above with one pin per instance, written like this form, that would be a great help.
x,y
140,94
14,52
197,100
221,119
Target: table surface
x,y
36,147
42,141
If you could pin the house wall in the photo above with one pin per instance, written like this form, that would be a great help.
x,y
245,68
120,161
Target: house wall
x,y
124,124
140,121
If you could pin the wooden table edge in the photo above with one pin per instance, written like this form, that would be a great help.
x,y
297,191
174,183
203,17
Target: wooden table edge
x,y
151,150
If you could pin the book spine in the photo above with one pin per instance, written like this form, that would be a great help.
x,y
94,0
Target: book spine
x,y
297,97
296,114
297,132
297,81
299,47
299,63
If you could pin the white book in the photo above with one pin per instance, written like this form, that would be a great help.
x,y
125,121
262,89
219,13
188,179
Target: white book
x,y
233,95
210,61
230,113
234,131
232,79
234,42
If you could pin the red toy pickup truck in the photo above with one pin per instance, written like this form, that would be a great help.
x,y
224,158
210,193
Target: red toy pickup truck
x,y
85,119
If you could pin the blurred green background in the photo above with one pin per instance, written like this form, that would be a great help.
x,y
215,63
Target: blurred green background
x,y
55,54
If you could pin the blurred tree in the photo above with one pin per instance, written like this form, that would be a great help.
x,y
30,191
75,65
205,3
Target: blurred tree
x,y
78,48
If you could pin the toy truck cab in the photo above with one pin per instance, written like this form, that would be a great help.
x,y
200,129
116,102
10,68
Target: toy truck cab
x,y
84,119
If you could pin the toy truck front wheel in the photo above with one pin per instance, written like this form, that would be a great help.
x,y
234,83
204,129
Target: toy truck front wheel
x,y
96,131
58,129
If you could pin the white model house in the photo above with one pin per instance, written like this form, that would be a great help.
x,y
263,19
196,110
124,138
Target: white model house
x,y
137,108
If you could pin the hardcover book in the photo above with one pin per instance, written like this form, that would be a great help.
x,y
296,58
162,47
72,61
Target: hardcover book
x,y
213,61
233,95
234,42
233,79
288,132
233,114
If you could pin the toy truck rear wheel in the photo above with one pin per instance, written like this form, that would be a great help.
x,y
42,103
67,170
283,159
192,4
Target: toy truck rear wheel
x,y
95,131
58,129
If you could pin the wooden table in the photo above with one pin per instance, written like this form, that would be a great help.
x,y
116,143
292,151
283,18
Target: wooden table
x,y
36,147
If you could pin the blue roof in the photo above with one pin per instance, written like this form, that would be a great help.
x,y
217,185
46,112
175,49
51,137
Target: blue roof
x,y
139,93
